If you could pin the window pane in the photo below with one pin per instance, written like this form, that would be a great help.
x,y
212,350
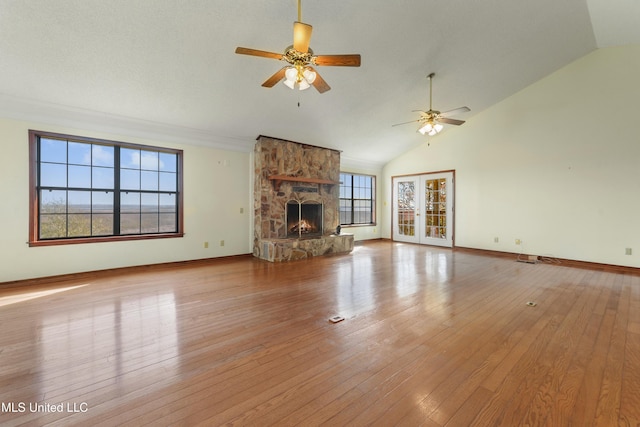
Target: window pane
x,y
53,150
102,178
130,179
148,160
53,175
79,225
130,202
79,176
130,223
79,202
149,202
101,202
79,154
102,155
168,181
168,162
53,201
357,212
53,226
101,224
149,181
168,203
149,222
168,223
129,158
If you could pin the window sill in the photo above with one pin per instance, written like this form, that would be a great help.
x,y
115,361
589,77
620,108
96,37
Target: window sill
x,y
81,240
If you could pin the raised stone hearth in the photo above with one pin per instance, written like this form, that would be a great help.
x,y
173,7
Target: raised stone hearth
x,y
288,173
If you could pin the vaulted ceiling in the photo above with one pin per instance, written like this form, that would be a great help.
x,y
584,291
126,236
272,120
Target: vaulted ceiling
x,y
166,69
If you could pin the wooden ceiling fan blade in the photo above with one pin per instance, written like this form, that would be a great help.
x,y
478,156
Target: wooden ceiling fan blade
x,y
319,83
256,52
455,111
352,60
406,123
275,78
301,36
450,121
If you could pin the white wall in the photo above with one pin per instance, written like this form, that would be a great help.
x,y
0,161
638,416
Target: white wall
x,y
216,186
556,165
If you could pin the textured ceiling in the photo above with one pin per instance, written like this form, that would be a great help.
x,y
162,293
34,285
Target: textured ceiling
x,y
166,69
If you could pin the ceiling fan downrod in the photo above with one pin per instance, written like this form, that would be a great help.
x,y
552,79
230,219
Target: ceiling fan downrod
x,y
430,77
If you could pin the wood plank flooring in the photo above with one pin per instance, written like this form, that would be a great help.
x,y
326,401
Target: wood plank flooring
x,y
431,337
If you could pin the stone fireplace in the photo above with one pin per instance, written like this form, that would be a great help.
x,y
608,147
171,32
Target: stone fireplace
x,y
296,197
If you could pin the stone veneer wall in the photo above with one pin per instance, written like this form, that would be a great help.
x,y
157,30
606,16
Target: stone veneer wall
x,y
291,159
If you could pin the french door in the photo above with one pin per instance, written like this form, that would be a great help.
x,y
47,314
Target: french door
x,y
423,209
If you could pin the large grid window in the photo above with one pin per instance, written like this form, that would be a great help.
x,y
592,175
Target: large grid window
x,y
357,199
86,190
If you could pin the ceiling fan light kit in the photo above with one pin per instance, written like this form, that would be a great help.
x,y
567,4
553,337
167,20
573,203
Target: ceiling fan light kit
x,y
430,128
300,57
300,76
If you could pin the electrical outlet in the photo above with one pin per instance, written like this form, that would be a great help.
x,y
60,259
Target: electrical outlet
x,y
206,245
241,210
628,251
496,240
221,242
518,242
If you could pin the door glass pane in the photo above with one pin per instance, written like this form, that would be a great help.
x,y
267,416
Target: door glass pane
x,y
406,208
435,197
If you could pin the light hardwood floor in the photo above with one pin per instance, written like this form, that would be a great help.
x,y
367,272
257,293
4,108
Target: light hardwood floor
x,y
431,337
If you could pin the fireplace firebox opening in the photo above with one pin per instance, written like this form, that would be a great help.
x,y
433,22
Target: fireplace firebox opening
x,y
304,219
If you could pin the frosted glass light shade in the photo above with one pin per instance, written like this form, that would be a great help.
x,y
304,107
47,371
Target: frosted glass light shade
x,y
309,76
426,128
291,74
303,85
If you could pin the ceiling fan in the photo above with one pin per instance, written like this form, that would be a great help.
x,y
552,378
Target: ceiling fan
x,y
301,59
431,121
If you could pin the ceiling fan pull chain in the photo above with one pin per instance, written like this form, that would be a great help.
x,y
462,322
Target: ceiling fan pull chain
x,y
299,11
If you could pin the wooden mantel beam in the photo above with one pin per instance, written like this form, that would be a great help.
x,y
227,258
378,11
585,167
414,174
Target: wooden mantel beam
x,y
279,178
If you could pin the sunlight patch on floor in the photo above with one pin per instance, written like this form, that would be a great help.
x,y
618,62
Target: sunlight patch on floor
x,y
26,296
